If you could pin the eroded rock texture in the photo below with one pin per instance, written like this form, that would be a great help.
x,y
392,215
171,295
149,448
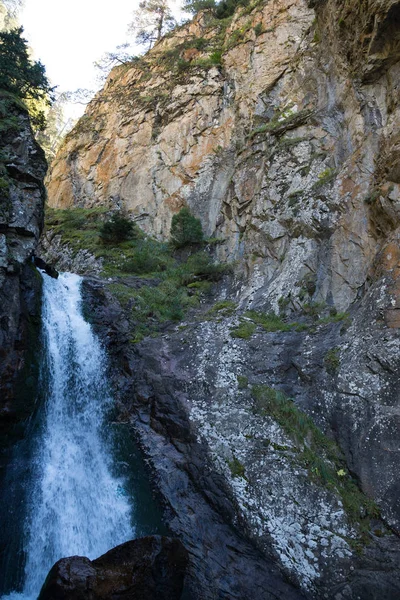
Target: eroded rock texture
x,y
22,193
288,150
223,466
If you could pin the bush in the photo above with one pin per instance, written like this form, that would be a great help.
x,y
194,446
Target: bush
x,y
117,229
185,229
226,8
146,258
199,267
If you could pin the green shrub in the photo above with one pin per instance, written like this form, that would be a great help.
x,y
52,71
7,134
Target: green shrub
x,y
74,220
226,8
268,321
224,308
147,257
199,43
244,331
216,57
186,229
118,229
163,303
199,267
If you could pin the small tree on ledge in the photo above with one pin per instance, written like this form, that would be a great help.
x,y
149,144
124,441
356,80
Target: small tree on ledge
x,y
186,229
117,229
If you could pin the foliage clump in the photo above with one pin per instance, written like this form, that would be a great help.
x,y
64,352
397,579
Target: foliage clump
x,y
242,381
151,21
332,360
221,9
173,285
116,230
236,468
224,308
268,321
186,229
244,330
21,77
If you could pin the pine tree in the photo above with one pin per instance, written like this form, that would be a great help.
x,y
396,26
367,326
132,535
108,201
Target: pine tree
x,y
186,229
18,74
151,21
194,6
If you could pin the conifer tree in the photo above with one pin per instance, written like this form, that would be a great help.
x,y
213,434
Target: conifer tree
x,y
18,74
151,21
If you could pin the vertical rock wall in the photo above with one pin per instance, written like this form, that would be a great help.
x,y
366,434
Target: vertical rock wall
x,y
23,167
287,150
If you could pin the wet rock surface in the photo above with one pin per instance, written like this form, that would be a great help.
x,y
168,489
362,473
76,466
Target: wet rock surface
x,y
153,567
198,507
22,193
222,468
21,220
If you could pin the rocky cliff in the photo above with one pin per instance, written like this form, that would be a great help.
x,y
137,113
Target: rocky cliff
x,y
278,128
22,193
287,150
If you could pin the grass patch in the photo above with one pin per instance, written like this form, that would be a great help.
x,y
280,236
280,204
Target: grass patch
x,y
268,321
181,285
224,308
236,468
243,382
334,318
244,331
332,360
176,283
318,453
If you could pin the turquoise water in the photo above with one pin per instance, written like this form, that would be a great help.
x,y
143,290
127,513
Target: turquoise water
x,y
77,483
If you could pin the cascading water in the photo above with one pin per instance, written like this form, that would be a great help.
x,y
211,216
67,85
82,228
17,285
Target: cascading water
x,y
77,506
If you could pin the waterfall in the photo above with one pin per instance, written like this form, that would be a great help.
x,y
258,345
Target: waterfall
x,y
77,505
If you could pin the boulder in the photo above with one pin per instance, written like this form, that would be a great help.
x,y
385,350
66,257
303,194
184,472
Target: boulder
x,y
152,567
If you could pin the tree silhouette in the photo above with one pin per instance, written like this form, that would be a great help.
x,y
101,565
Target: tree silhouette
x,y
18,74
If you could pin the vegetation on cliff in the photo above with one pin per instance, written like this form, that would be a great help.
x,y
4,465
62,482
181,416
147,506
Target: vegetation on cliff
x,y
178,275
22,77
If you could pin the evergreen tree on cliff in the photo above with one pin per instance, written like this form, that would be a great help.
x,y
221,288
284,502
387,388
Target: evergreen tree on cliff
x,y
22,77
220,9
151,21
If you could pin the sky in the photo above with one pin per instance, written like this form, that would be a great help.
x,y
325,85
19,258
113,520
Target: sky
x,y
67,37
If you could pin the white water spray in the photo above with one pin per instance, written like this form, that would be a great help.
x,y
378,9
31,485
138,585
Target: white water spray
x,y
77,507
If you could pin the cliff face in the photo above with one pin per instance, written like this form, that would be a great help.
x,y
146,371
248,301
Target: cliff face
x,y
287,151
22,194
279,129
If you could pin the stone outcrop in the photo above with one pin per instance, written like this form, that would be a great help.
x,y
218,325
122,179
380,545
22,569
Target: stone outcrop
x,y
22,193
152,567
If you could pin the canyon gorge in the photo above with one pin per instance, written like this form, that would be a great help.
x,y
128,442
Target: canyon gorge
x,y
257,370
